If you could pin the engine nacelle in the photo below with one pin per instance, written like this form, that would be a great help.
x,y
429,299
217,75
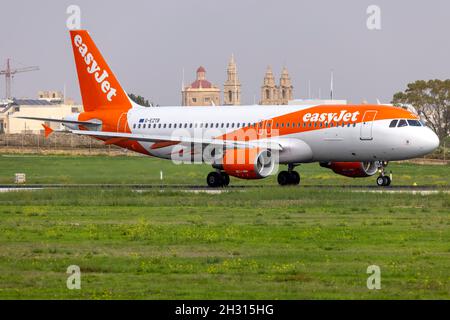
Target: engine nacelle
x,y
353,169
247,163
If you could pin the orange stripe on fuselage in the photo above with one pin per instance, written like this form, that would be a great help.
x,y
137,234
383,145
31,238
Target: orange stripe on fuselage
x,y
335,113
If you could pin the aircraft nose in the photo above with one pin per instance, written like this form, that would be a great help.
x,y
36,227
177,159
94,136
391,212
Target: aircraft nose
x,y
430,141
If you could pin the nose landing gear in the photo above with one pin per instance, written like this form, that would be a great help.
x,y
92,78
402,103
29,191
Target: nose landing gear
x,y
289,177
383,180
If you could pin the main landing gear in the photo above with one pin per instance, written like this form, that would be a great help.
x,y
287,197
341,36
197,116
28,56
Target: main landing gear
x,y
289,177
383,180
217,179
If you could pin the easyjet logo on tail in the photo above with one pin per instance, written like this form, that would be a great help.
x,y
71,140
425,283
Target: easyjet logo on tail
x,y
344,115
94,69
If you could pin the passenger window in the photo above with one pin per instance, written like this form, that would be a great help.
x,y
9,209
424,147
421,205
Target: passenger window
x,y
232,125
414,123
402,123
393,124
238,125
139,126
134,126
159,125
206,125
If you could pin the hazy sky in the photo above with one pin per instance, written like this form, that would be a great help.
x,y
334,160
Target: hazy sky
x,y
148,43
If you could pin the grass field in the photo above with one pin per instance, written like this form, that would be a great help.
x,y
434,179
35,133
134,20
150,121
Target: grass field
x,y
145,170
264,243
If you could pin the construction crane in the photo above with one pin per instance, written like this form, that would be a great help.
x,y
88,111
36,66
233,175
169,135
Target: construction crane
x,y
9,73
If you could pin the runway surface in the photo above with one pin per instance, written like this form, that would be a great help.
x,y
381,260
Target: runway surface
x,y
203,188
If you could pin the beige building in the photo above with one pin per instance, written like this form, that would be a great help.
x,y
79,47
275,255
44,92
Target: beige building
x,y
273,94
51,96
232,86
201,92
32,108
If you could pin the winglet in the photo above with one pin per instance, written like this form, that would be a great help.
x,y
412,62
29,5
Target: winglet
x,y
48,131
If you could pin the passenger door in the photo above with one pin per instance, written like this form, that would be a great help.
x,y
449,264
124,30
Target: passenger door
x,y
367,124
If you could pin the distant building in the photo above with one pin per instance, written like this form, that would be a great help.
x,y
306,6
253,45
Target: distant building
x,y
273,94
32,108
51,96
201,92
232,86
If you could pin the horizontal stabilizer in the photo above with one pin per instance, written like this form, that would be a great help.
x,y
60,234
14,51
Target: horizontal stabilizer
x,y
47,130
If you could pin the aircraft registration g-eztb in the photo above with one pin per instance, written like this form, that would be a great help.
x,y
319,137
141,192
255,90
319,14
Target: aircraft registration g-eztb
x,y
247,142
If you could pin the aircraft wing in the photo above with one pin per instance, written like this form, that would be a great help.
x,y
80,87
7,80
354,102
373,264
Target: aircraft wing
x,y
181,139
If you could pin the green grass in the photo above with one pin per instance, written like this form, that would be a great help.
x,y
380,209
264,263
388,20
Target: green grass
x,y
254,243
146,170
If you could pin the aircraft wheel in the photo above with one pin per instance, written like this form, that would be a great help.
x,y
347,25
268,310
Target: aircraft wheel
x,y
383,181
225,179
284,178
214,179
380,181
295,178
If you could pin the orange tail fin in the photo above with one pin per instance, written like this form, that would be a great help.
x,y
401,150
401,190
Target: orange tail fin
x,y
99,87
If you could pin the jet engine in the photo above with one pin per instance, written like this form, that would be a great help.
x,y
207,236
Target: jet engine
x,y
249,163
353,169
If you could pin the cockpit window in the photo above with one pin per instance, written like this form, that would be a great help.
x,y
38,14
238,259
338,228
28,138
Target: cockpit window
x,y
393,124
414,123
402,123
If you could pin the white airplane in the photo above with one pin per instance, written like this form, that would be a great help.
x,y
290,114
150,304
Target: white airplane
x,y
246,142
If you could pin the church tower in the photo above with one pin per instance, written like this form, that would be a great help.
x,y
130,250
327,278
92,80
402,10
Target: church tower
x,y
286,87
232,86
269,90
